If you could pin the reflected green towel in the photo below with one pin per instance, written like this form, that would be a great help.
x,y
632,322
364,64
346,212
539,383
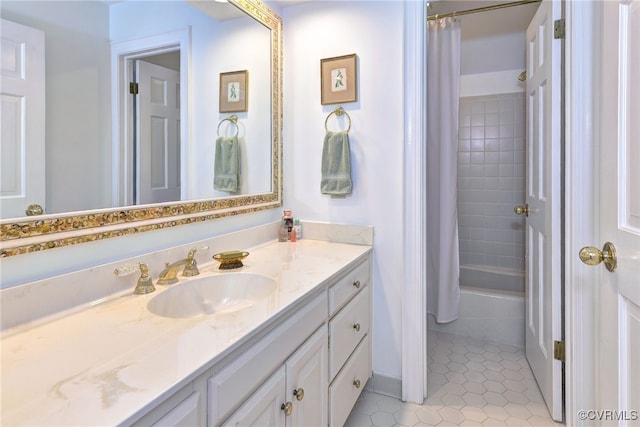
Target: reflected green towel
x,y
336,164
227,164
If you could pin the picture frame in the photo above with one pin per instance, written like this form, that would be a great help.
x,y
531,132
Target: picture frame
x,y
338,79
234,91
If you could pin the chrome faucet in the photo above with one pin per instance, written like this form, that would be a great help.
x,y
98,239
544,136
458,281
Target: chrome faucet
x,y
169,275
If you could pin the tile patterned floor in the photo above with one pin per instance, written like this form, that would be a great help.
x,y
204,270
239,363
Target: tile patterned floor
x,y
471,383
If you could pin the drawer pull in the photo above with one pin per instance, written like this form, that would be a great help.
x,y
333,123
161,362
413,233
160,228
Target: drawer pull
x,y
356,383
356,284
357,327
299,393
287,408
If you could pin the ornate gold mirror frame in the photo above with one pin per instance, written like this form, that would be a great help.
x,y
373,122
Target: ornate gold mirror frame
x,y
53,231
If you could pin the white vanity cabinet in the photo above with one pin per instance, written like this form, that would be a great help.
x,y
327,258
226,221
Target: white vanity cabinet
x,y
290,379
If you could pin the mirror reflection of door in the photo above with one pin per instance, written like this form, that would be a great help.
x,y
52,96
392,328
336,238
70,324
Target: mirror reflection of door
x,y
22,147
157,129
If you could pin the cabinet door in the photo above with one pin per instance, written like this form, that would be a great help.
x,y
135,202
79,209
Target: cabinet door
x,y
307,382
186,414
264,407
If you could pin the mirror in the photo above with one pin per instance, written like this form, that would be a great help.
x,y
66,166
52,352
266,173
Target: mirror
x,y
101,147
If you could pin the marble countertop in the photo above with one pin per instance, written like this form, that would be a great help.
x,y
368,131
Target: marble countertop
x,y
107,364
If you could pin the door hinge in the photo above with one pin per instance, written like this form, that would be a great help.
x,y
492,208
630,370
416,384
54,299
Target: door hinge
x,y
558,29
558,350
133,88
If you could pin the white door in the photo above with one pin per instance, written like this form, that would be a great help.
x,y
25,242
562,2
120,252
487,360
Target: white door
x,y
264,407
158,154
307,382
543,307
618,344
22,143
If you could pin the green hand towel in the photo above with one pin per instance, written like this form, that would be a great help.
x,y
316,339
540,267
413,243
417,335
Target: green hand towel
x,y
227,164
336,164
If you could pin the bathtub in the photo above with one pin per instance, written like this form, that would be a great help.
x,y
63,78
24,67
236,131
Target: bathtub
x,y
491,306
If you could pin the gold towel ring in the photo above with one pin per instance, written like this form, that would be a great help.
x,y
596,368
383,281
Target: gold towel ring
x,y
339,111
233,119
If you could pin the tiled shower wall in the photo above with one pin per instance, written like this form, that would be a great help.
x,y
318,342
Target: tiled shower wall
x,y
491,180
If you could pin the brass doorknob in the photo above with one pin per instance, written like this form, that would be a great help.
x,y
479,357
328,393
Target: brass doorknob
x,y
299,393
594,256
356,383
356,327
34,209
521,210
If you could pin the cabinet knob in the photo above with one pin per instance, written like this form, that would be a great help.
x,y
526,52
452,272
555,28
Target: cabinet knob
x,y
299,393
287,408
356,383
356,284
356,327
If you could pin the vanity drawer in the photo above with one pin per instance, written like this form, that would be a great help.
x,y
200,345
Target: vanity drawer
x,y
346,389
347,328
348,286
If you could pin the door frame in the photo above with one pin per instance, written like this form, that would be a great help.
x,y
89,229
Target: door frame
x,y
414,283
582,95
122,56
581,113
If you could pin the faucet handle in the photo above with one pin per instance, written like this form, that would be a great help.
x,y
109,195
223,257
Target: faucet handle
x,y
192,251
191,268
145,283
126,270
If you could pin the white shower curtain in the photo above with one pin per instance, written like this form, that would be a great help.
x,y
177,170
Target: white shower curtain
x,y
443,81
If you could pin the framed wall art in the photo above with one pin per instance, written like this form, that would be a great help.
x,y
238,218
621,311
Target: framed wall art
x,y
233,91
338,79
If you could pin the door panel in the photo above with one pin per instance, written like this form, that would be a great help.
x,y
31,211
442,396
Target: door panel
x,y
543,288
158,162
307,381
262,408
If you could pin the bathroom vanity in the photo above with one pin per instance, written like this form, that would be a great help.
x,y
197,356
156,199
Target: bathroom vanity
x,y
299,355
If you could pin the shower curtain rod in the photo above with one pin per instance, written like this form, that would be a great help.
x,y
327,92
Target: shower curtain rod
x,y
480,9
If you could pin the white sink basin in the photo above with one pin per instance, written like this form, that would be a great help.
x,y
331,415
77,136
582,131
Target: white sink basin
x,y
221,293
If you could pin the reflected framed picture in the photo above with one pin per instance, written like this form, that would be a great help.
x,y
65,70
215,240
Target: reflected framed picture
x,y
233,91
338,79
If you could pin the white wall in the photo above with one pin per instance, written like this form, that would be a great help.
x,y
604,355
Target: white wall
x,y
372,30
493,53
491,83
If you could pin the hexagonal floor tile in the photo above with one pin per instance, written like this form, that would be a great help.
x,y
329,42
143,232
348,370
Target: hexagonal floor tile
x,y
471,383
